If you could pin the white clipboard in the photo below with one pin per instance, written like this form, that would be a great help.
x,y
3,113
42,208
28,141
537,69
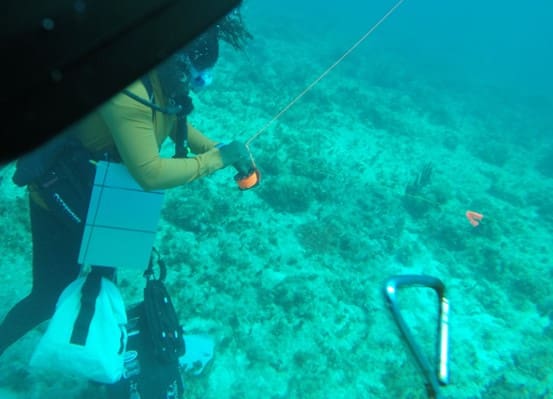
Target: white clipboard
x,y
122,220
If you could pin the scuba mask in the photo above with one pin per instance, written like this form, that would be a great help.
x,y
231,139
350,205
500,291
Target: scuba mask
x,y
199,80
199,58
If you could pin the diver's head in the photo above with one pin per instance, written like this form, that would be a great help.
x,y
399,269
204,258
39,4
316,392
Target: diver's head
x,y
200,56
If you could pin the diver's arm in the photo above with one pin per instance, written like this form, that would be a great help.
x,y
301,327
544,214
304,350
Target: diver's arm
x,y
198,142
133,134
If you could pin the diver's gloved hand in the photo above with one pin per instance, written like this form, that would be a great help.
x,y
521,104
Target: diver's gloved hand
x,y
235,153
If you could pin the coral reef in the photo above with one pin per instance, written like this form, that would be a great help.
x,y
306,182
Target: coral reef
x,y
369,174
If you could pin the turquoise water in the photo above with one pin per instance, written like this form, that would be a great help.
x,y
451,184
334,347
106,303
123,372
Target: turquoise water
x,y
287,278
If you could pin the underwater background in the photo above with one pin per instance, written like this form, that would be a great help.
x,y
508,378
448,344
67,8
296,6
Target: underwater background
x,y
446,107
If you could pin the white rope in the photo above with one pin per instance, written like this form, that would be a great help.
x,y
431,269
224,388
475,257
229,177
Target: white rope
x,y
326,72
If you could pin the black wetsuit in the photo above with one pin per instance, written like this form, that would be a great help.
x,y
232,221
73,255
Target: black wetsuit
x,y
55,252
56,237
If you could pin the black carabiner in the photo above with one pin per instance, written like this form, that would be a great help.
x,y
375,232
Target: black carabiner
x,y
393,284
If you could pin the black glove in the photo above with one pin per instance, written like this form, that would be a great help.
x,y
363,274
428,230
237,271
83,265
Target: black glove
x,y
235,153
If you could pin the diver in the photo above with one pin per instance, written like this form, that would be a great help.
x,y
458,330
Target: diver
x,y
129,128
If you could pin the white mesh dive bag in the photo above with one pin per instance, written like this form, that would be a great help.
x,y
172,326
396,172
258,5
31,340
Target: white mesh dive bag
x,y
99,355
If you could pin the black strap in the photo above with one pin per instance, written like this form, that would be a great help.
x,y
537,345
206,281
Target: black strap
x,y
147,82
180,105
89,293
181,138
149,272
172,110
33,165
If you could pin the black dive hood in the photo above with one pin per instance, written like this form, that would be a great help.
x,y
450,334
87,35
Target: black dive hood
x,y
63,58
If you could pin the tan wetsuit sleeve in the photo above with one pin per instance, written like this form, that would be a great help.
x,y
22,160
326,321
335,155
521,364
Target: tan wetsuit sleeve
x,y
198,142
133,133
